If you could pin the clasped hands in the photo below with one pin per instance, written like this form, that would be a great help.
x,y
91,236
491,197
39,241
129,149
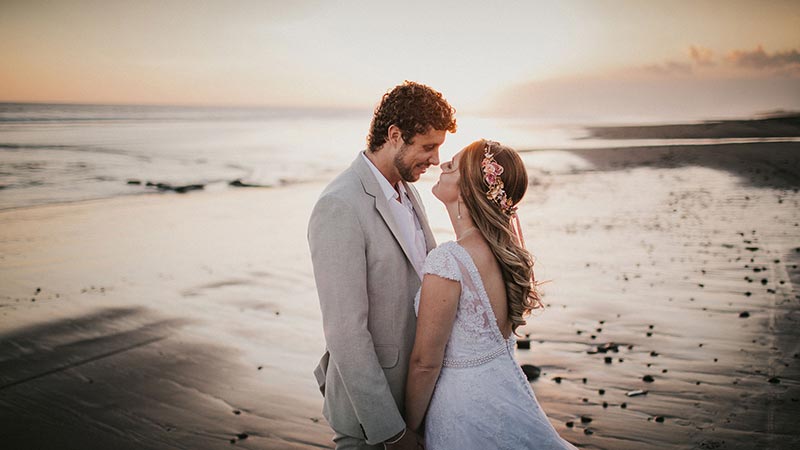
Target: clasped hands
x,y
408,440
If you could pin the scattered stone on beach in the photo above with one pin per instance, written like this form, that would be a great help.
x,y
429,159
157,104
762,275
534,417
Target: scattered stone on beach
x,y
623,405
601,391
654,353
260,367
636,393
607,347
701,285
179,189
588,431
774,380
524,344
242,436
557,380
237,412
764,281
38,290
586,419
744,314
135,182
233,441
585,380
609,359
605,404
531,372
748,294
659,419
239,183
570,424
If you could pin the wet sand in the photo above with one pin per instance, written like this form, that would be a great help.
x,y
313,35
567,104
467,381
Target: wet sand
x,y
168,321
779,125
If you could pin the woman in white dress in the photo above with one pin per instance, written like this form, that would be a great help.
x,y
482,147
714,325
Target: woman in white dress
x,y
465,390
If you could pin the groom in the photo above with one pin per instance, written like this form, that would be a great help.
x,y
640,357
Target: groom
x,y
369,236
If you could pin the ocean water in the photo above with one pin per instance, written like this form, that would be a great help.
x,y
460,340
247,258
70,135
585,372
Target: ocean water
x,y
54,153
62,153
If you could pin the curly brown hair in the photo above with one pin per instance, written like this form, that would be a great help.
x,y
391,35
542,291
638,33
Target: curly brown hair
x,y
414,108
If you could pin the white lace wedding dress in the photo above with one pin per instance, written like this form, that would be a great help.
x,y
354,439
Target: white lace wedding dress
x,y
482,399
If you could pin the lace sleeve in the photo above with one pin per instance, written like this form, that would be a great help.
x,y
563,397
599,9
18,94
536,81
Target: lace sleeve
x,y
442,263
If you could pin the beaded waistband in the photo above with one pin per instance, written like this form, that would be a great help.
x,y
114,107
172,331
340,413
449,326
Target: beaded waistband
x,y
472,362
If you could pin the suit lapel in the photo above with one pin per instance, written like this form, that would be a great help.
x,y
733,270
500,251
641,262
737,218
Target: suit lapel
x,y
372,188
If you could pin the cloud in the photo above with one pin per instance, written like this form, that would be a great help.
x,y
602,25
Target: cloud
x,y
759,59
736,63
701,56
668,68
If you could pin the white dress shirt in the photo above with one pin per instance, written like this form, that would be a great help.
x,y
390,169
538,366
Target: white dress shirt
x,y
404,216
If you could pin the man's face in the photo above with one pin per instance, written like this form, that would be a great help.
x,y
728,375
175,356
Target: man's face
x,y
413,159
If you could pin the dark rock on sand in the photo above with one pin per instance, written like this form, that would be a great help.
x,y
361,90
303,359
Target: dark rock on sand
x,y
524,344
648,379
744,314
586,419
774,380
239,183
604,348
531,372
179,189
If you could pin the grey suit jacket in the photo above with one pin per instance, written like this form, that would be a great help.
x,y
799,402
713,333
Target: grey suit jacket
x,y
366,285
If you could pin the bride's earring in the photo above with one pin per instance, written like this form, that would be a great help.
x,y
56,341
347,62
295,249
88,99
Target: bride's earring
x,y
459,209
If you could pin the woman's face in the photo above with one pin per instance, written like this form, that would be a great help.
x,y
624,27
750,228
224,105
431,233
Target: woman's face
x,y
446,189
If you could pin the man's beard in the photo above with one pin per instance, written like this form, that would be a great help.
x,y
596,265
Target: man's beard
x,y
406,171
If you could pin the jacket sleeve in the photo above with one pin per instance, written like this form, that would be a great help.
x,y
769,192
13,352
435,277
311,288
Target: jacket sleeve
x,y
338,253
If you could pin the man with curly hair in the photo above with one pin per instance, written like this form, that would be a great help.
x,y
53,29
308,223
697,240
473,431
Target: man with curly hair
x,y
369,236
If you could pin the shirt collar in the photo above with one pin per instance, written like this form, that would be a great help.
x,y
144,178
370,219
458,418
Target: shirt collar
x,y
388,189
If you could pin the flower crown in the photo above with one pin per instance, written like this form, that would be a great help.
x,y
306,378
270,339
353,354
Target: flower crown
x,y
491,175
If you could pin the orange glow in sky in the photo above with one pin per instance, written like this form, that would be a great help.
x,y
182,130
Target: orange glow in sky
x,y
346,54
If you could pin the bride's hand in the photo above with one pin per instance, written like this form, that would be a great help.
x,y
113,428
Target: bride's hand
x,y
410,441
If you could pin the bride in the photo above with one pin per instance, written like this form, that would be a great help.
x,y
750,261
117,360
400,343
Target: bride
x,y
464,384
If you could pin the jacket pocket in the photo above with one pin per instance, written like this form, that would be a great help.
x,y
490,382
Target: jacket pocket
x,y
387,355
321,371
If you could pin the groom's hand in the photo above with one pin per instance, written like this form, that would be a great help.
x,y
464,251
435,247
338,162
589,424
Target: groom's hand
x,y
410,441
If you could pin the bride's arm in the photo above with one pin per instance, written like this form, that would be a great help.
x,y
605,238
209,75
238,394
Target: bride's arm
x,y
437,312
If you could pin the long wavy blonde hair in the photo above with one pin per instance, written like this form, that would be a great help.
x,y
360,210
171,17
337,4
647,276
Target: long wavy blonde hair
x,y
516,263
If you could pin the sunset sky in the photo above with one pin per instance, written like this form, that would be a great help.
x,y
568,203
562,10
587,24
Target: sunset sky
x,y
537,57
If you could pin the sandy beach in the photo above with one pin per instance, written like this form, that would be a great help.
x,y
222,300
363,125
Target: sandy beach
x,y
191,321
